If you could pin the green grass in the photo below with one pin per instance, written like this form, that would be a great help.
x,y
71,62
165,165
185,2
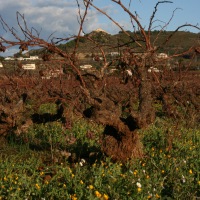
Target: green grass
x,y
50,108
169,170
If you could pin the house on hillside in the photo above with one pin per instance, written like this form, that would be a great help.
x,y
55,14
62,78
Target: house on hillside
x,y
20,58
29,58
84,67
9,58
29,66
34,58
154,69
162,56
115,53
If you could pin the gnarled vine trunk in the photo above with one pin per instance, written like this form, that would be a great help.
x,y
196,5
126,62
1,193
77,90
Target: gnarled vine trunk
x,y
146,112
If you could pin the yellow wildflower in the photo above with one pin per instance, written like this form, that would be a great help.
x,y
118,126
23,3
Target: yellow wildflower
x,y
46,182
163,171
122,175
81,182
105,197
157,196
69,170
135,172
37,186
41,173
97,194
73,197
91,187
139,189
190,171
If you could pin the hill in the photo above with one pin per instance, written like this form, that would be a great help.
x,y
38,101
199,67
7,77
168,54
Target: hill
x,y
180,41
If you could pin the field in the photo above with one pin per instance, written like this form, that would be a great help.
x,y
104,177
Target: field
x,y
97,116
169,169
54,151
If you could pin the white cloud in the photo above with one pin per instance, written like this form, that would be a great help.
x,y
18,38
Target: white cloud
x,y
50,16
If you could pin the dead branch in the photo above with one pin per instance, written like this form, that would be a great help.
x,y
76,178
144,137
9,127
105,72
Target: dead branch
x,y
154,13
117,24
177,29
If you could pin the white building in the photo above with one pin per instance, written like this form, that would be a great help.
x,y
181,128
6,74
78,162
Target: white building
x,y
154,69
30,58
162,55
9,58
20,58
115,53
34,58
29,66
85,67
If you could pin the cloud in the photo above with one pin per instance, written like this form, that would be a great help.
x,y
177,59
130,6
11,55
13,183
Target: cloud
x,y
50,16
59,17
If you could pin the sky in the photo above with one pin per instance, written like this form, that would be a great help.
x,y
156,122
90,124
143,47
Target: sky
x,y
60,17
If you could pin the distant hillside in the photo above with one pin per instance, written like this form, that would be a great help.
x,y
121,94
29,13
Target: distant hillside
x,y
180,41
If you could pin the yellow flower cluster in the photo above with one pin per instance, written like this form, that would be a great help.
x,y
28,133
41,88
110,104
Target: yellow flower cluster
x,y
157,196
91,187
41,173
37,186
97,194
74,197
105,197
135,172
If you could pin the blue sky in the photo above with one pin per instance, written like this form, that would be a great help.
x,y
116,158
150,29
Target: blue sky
x,y
188,12
60,16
